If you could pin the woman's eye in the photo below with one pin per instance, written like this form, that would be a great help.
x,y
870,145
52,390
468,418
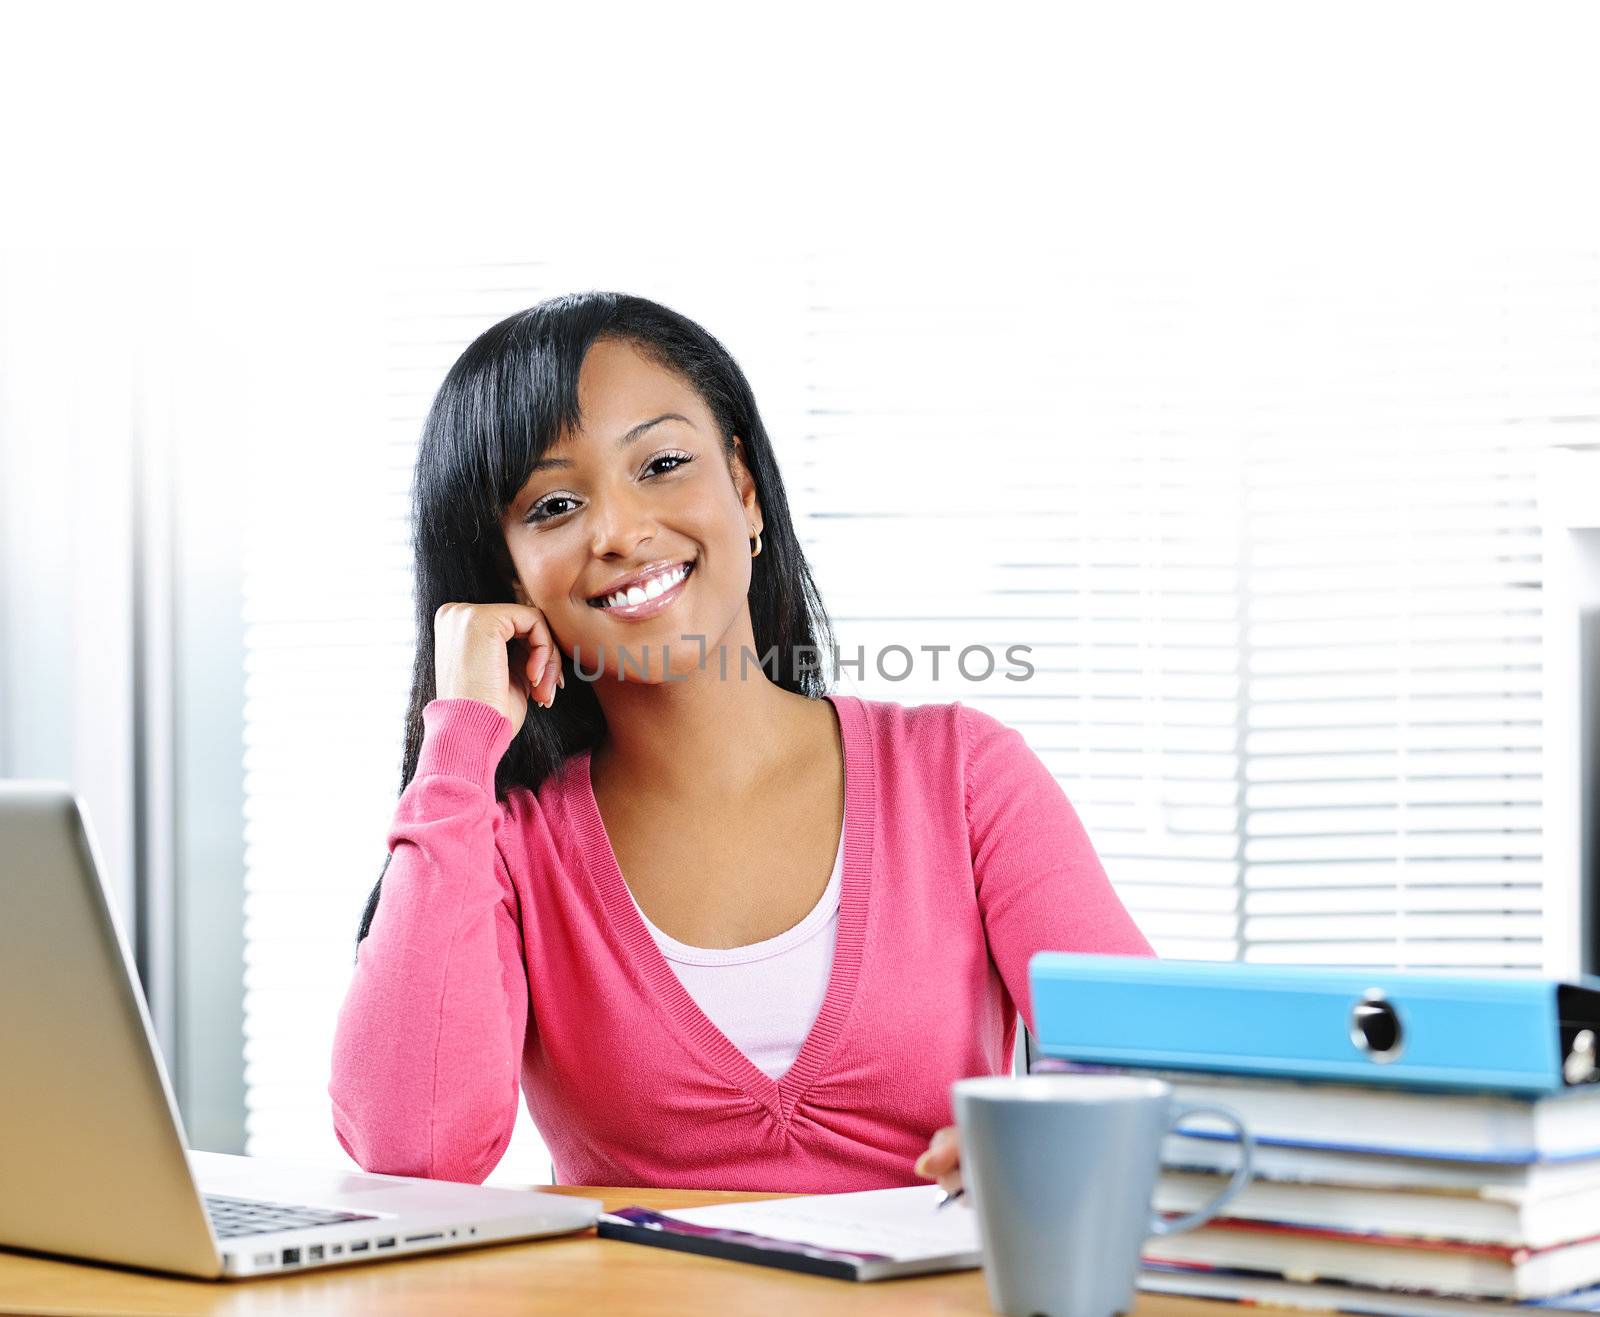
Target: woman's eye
x,y
677,460
547,508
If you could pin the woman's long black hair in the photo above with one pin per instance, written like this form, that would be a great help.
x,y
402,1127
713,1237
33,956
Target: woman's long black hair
x,y
504,402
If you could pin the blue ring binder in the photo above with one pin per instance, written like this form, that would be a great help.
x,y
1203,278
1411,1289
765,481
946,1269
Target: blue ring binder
x,y
1405,1028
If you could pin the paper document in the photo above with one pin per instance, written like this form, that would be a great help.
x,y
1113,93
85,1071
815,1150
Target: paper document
x,y
871,1235
902,1224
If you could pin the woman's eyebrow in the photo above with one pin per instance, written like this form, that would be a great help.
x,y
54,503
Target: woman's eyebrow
x,y
622,442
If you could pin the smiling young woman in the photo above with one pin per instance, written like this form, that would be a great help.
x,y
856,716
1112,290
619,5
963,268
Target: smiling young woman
x,y
722,928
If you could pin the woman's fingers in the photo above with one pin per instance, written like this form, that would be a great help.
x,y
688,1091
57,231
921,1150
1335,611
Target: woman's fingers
x,y
538,661
943,1155
552,674
942,1160
544,672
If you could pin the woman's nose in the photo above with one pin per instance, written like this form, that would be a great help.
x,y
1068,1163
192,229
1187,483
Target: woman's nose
x,y
621,523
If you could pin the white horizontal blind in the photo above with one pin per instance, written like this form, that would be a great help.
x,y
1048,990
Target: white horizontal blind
x,y
327,652
1268,533
1393,747
1272,536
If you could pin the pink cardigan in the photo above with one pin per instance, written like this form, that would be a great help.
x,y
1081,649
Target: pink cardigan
x,y
506,948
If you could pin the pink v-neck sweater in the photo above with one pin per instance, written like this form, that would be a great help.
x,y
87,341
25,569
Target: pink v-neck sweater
x,y
507,949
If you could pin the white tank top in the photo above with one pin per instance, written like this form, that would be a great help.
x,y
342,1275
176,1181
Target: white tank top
x,y
764,997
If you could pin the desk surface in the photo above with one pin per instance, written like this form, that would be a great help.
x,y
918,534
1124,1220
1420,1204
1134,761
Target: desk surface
x,y
569,1274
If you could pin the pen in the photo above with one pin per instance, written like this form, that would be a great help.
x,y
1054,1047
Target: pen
x,y
948,1199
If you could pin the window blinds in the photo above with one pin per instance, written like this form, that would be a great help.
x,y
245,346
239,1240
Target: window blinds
x,y
1274,539
1268,533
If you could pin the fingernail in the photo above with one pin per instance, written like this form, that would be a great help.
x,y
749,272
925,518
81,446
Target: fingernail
x,y
921,1168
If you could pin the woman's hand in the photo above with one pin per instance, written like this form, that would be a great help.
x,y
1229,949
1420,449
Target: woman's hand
x,y
942,1160
499,654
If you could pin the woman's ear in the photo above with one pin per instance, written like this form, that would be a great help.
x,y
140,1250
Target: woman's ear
x,y
745,485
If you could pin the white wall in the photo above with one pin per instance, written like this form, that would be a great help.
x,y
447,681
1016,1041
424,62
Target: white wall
x,y
68,340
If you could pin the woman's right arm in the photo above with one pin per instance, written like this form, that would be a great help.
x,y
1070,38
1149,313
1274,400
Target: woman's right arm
x,y
427,1052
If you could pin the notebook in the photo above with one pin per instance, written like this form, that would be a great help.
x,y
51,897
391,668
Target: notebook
x,y
1368,1259
872,1235
1274,1291
1460,1126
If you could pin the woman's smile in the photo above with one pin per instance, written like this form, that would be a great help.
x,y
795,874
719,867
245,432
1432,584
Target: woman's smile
x,y
645,594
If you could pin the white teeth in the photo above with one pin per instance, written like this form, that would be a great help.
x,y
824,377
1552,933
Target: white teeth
x,y
654,588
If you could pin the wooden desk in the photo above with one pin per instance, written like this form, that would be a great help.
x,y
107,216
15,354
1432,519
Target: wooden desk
x,y
570,1274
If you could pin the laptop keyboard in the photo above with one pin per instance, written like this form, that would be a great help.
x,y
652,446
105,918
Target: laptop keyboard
x,y
232,1217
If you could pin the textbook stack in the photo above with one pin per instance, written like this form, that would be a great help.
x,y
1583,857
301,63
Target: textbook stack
x,y
1383,1200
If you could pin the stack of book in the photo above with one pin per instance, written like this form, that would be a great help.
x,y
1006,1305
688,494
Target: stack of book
x,y
1383,1200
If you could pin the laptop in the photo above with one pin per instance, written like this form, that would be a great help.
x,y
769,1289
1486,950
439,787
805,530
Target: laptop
x,y
93,1161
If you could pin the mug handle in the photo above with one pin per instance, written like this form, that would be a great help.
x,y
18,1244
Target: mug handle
x,y
1172,1225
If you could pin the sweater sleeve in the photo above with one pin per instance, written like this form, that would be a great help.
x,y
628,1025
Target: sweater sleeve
x,y
428,1044
1040,885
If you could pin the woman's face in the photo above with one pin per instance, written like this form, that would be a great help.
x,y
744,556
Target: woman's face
x,y
641,493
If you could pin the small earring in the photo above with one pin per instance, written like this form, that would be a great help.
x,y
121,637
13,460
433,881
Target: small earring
x,y
756,551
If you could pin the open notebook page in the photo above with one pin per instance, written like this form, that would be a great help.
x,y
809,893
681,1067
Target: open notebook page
x,y
902,1224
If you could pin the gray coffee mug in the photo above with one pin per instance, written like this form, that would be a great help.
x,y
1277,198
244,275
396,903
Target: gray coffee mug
x,y
1060,1170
